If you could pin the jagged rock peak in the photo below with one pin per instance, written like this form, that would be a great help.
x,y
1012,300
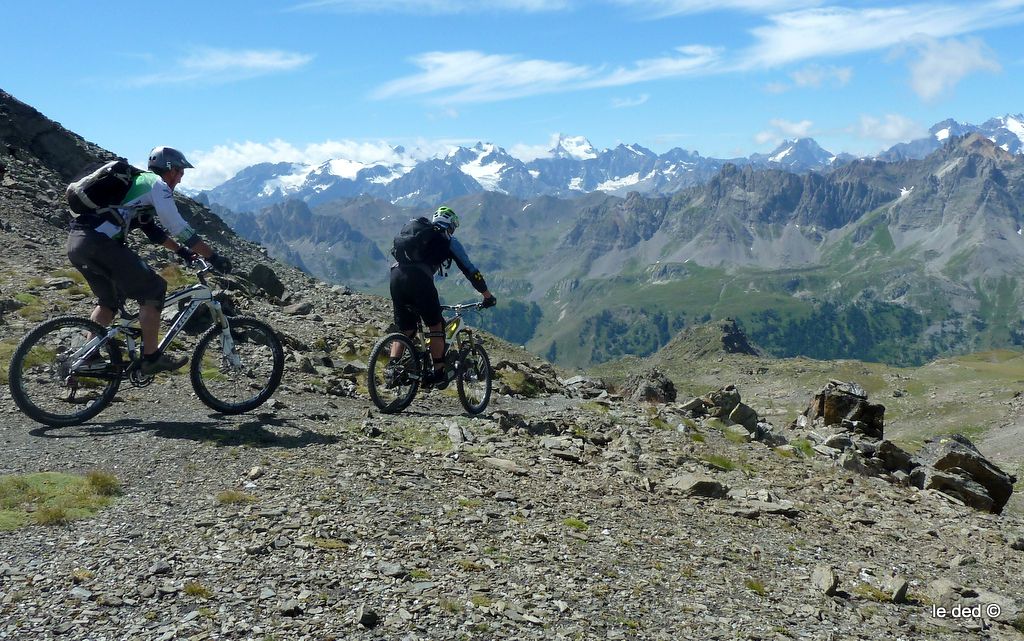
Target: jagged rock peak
x,y
716,337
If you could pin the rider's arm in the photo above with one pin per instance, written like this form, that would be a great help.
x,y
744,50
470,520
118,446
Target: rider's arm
x,y
461,258
171,220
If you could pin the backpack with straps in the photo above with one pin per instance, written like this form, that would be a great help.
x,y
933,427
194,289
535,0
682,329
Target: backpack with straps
x,y
421,242
98,191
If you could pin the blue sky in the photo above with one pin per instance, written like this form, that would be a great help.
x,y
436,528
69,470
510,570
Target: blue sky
x,y
235,83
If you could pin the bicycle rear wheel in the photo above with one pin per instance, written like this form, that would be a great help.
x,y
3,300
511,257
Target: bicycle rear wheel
x,y
240,379
393,384
473,379
42,381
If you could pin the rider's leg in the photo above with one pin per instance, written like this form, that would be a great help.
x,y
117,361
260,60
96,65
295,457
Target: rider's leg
x,y
102,315
436,337
149,321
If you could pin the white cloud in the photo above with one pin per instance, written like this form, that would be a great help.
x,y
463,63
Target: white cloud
x,y
432,6
889,129
836,31
210,65
626,103
784,129
472,76
940,65
217,165
813,75
817,75
692,59
664,8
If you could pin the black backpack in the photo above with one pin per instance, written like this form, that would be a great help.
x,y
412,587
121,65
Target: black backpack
x,y
98,191
421,242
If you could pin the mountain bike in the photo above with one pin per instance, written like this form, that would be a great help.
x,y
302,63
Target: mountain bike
x,y
68,369
393,382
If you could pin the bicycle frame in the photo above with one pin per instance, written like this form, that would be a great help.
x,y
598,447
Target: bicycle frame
x,y
127,326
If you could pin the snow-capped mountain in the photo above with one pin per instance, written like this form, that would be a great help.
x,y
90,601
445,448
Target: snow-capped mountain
x,y
1006,132
571,167
799,155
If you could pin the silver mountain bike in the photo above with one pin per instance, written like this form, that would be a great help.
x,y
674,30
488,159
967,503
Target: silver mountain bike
x,y
68,369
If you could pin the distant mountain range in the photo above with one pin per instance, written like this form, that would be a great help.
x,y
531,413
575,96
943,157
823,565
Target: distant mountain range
x,y
572,167
899,261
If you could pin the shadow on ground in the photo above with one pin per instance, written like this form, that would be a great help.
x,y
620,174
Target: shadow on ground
x,y
253,432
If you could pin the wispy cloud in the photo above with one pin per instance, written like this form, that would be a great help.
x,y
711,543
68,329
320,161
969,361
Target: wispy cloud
x,y
888,130
664,8
431,6
784,129
472,76
217,66
626,103
940,65
835,31
814,76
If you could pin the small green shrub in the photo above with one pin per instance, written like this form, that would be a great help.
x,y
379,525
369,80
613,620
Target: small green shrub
x,y
104,483
470,566
755,586
577,524
197,589
519,383
803,446
234,497
480,601
720,462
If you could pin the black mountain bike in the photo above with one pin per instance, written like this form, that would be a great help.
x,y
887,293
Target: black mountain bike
x,y
393,382
67,369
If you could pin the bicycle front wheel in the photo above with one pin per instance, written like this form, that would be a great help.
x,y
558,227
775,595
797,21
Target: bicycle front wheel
x,y
43,383
240,377
392,383
473,379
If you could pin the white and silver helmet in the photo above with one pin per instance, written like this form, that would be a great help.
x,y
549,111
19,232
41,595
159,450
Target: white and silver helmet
x,y
164,158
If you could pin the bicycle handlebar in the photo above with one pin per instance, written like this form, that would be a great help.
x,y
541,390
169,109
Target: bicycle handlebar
x,y
463,306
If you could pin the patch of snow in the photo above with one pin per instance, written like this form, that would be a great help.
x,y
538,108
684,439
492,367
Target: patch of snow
x,y
576,147
488,175
618,183
343,168
526,206
1015,127
904,192
576,183
535,173
942,135
286,183
782,154
396,173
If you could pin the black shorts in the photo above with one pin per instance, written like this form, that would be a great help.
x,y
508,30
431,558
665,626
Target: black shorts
x,y
114,272
415,297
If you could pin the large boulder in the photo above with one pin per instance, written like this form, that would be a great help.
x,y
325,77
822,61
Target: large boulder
x,y
651,386
264,277
846,404
953,465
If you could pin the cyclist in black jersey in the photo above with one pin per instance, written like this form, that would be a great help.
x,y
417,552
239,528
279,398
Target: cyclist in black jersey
x,y
415,297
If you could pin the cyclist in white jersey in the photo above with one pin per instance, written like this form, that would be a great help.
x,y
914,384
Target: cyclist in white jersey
x,y
96,247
